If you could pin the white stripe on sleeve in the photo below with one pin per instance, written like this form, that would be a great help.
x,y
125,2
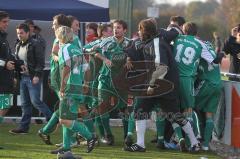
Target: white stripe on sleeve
x,y
2,63
206,54
156,51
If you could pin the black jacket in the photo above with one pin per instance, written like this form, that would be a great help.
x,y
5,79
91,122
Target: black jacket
x,y
166,58
233,48
6,76
35,57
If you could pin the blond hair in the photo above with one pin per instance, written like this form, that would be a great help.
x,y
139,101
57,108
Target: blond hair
x,y
64,34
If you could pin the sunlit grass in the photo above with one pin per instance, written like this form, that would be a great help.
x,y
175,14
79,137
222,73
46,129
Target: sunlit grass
x,y
31,147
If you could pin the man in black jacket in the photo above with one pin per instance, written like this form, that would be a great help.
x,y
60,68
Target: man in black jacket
x,y
232,47
32,54
6,67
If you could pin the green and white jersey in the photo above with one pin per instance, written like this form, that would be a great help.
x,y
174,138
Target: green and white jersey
x,y
113,51
77,42
55,80
187,51
92,44
72,56
209,71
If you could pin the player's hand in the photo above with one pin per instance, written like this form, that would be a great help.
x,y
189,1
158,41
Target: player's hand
x,y
108,62
61,93
150,90
10,65
55,58
129,65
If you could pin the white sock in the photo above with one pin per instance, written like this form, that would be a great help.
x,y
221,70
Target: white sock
x,y
189,131
140,129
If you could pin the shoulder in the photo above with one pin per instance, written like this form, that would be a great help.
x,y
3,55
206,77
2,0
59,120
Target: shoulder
x,y
106,41
34,41
71,48
93,43
127,42
200,42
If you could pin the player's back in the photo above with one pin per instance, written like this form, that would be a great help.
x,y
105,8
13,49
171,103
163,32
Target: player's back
x,y
71,56
187,53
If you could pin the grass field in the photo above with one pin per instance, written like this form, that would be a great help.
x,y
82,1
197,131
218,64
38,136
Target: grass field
x,y
30,147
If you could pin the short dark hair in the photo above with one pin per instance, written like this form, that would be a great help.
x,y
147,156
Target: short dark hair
x,y
178,19
122,22
23,26
72,18
101,28
3,15
62,20
29,22
190,28
93,26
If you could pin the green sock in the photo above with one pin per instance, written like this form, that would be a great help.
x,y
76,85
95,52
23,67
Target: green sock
x,y
125,125
81,129
51,124
131,124
188,116
66,138
73,137
178,130
160,124
208,131
195,125
100,126
105,120
89,124
1,119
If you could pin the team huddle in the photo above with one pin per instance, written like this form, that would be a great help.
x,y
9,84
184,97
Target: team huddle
x,y
87,85
169,71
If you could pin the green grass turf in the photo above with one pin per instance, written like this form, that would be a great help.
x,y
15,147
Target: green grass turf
x,y
31,147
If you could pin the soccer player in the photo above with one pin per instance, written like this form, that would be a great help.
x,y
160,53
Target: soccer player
x,y
208,93
92,48
74,72
188,50
112,47
61,20
58,20
159,52
176,23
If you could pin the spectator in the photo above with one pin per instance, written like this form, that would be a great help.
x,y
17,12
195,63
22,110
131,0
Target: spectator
x,y
91,32
32,53
6,67
232,47
35,32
